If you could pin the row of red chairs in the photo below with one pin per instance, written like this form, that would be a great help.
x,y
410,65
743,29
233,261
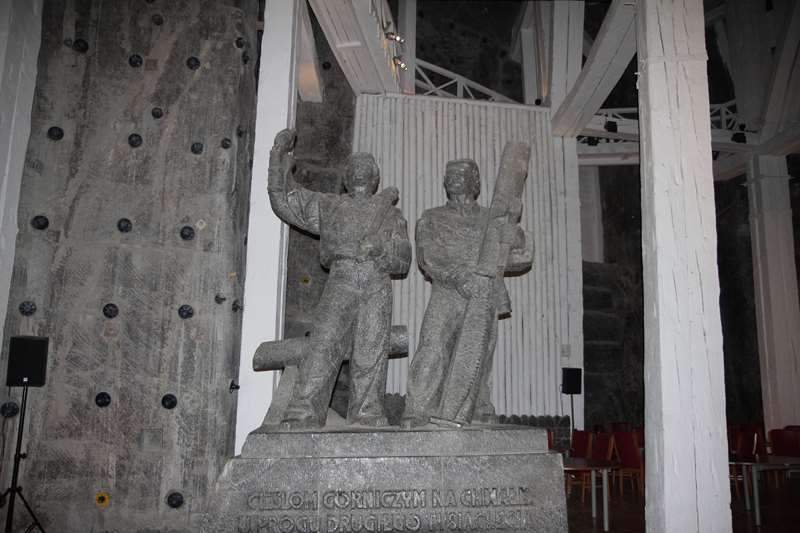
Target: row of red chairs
x,y
747,441
621,446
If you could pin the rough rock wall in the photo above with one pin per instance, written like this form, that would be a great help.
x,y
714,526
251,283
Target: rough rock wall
x,y
132,223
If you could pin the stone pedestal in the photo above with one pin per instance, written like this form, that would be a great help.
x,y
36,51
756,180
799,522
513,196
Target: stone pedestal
x,y
489,478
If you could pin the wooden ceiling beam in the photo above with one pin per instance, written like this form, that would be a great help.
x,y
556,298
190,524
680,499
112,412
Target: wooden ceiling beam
x,y
611,53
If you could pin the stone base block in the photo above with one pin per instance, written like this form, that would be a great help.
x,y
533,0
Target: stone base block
x,y
485,479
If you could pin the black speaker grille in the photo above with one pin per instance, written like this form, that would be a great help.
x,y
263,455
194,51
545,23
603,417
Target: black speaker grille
x,y
27,361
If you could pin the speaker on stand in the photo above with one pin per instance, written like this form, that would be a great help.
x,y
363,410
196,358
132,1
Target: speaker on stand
x,y
571,384
27,367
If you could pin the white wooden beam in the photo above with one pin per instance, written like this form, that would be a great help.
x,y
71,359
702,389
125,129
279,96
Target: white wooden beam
x,y
265,284
592,244
355,31
530,67
566,43
608,154
309,82
784,88
732,166
686,471
407,26
610,56
775,277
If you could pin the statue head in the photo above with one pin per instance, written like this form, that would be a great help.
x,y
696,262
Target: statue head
x,y
462,181
362,175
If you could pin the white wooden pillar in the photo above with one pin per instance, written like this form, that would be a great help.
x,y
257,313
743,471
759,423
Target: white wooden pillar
x,y
775,277
687,457
566,52
407,27
20,38
265,281
591,215
530,65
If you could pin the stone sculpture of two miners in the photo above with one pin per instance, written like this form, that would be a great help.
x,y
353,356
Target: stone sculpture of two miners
x,y
462,248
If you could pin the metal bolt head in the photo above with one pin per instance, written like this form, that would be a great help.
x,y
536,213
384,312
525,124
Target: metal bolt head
x,y
187,233
157,19
135,140
80,46
110,310
135,61
240,42
103,399
124,225
10,409
197,148
226,143
326,65
185,311
175,499
27,308
193,63
169,401
157,112
240,131
219,298
40,222
236,306
245,58
55,133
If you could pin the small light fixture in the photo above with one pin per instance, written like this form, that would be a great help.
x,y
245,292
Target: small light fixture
x,y
400,63
392,36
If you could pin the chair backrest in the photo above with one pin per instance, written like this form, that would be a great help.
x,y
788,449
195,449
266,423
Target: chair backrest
x,y
746,446
550,444
617,427
602,447
639,430
785,442
581,443
627,448
792,428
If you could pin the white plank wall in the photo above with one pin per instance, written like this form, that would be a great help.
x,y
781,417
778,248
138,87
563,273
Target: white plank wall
x,y
412,137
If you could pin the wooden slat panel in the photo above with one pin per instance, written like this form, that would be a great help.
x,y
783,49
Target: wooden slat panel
x,y
412,139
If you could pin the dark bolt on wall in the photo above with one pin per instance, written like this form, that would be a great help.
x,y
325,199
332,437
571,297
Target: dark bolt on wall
x,y
132,220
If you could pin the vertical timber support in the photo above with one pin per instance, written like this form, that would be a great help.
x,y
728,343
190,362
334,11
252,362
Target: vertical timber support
x,y
686,462
592,244
777,306
407,26
265,282
566,53
20,37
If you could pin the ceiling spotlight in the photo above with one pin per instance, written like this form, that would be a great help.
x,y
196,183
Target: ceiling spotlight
x,y
400,63
392,36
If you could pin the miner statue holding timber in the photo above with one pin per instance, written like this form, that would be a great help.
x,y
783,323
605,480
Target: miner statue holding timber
x,y
363,241
465,250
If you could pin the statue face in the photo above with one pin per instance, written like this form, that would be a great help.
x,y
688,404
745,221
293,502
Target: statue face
x,y
362,175
461,179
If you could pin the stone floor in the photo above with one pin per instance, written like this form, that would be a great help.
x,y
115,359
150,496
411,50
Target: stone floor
x,y
780,512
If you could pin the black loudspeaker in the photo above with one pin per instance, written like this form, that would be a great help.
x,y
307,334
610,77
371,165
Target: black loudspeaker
x,y
27,361
571,380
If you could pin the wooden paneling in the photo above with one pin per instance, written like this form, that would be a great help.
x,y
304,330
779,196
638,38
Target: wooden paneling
x,y
412,138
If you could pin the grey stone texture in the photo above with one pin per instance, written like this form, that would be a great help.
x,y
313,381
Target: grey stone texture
x,y
483,479
465,250
363,241
96,174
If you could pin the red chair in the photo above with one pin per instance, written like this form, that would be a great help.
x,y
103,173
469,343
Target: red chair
x,y
630,458
602,449
785,442
618,427
745,447
581,443
792,428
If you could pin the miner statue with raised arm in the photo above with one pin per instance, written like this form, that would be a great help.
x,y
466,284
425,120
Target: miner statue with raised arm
x,y
465,250
364,242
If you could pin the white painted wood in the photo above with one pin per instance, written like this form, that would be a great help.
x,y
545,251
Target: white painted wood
x,y
687,455
355,30
412,139
591,215
20,38
265,279
610,55
783,96
566,48
309,83
530,69
775,277
607,154
407,26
